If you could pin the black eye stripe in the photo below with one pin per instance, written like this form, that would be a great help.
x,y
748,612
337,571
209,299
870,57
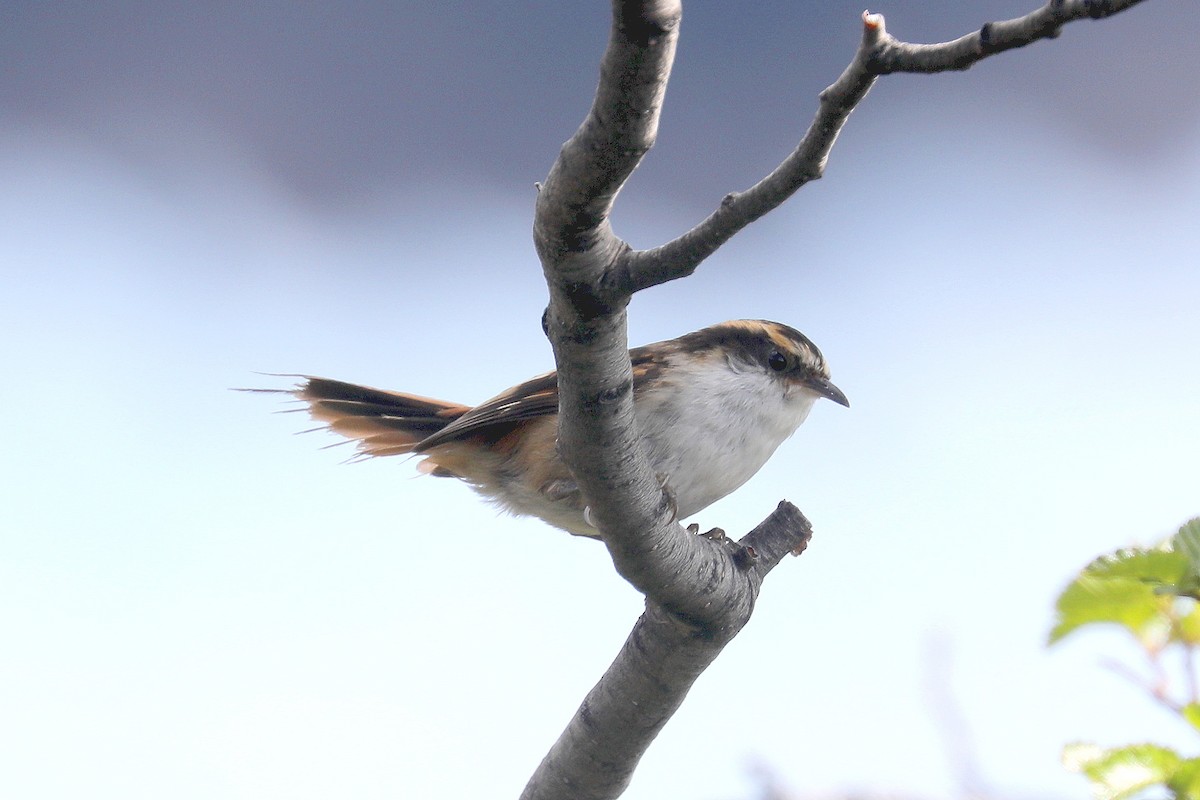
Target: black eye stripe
x,y
752,343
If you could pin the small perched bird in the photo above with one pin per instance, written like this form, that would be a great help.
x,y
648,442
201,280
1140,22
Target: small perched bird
x,y
711,408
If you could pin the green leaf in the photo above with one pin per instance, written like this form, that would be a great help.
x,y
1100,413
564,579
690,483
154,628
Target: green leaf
x,y
1191,712
1120,589
1187,543
1151,564
1121,772
1186,781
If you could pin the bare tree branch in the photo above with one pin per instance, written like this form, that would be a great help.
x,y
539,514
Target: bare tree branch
x,y
663,656
879,53
700,590
585,321
592,274
573,207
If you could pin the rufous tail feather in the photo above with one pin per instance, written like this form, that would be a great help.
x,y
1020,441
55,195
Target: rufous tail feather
x,y
382,423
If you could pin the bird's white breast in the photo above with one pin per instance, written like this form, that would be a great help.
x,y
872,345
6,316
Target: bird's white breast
x,y
711,431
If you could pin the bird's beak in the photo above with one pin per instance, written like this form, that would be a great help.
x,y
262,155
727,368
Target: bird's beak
x,y
823,387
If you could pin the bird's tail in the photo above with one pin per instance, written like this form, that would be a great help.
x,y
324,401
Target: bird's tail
x,y
383,423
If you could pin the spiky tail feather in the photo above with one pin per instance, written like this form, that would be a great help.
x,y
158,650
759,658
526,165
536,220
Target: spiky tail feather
x,y
383,423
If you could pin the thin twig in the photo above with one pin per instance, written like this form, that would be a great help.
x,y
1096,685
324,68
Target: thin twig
x,y
879,53
1155,688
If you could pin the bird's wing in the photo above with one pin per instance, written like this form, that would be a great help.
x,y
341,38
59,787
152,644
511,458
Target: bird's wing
x,y
536,397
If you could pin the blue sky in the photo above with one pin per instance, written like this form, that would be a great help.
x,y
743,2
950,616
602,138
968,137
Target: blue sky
x,y
1000,267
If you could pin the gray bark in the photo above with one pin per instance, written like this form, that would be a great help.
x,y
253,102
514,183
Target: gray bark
x,y
700,591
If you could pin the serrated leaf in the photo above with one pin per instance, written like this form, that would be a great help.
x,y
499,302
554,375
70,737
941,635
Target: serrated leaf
x,y
1187,542
1156,565
1119,773
1121,588
1128,602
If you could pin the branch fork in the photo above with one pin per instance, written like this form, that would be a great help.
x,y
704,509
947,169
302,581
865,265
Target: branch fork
x,y
700,590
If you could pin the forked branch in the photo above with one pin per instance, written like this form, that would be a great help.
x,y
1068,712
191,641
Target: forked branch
x,y
597,753
879,53
699,591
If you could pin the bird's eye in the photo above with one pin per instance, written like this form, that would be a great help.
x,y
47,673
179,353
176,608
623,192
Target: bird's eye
x,y
777,361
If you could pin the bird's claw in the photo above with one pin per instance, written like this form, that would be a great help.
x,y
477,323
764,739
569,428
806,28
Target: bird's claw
x,y
668,497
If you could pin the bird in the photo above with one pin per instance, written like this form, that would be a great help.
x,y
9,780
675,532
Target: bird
x,y
711,408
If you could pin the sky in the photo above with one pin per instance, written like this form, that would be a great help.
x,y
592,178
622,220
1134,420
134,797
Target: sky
x,y
1000,266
